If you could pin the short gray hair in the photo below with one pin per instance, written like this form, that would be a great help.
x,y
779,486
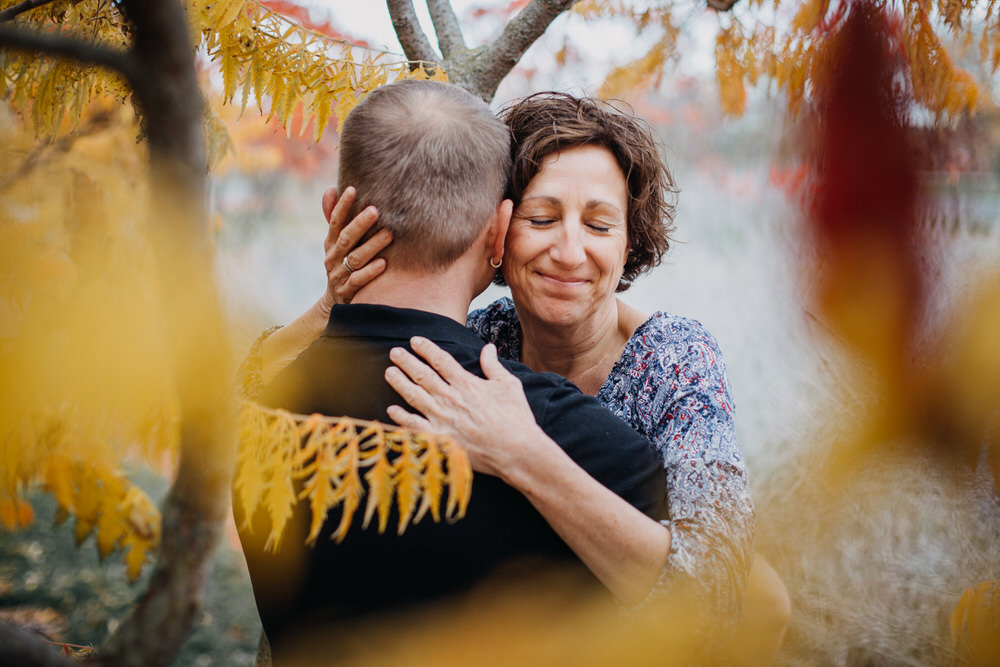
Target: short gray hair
x,y
433,159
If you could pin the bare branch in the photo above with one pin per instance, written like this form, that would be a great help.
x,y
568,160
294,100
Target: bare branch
x,y
408,31
481,71
449,32
9,13
61,46
27,649
526,27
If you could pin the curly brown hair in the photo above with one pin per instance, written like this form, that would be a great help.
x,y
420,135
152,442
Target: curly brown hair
x,y
549,122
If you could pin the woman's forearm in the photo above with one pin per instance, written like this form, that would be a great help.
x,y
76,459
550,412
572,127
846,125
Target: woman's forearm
x,y
284,345
623,547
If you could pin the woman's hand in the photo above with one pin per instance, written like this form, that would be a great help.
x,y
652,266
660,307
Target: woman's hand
x,y
281,348
342,243
490,418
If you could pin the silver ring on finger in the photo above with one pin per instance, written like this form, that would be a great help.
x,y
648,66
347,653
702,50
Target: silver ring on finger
x,y
347,266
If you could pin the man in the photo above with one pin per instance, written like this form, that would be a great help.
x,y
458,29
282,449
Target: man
x,y
434,161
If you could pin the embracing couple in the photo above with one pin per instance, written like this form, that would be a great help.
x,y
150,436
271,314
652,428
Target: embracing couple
x,y
631,467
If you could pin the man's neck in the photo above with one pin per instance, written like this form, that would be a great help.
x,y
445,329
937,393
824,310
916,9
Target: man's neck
x,y
444,293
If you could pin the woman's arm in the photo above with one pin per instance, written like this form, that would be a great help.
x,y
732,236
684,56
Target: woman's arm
x,y
285,344
681,399
624,548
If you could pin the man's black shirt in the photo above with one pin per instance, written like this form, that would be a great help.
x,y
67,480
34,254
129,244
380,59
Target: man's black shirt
x,y
341,373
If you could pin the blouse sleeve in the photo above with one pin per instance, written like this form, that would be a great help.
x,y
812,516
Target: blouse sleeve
x,y
711,516
249,382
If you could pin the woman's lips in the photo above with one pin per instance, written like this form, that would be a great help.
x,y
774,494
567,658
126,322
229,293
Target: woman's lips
x,y
562,281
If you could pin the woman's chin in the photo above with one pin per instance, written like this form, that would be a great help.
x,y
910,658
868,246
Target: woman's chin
x,y
561,314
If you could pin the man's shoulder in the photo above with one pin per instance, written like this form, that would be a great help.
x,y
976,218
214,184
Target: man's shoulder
x,y
598,441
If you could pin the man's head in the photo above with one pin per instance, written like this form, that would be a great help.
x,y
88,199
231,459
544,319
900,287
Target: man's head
x,y
434,160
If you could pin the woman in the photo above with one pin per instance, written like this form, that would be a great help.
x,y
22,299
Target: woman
x,y
591,215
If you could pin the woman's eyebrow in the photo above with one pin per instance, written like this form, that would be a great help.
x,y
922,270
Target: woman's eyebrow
x,y
555,201
548,200
601,203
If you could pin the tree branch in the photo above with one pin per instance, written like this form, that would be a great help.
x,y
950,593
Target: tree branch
x,y
26,649
411,36
525,28
481,71
60,46
449,32
9,13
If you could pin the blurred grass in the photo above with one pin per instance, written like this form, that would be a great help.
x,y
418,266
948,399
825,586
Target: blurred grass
x,y
50,585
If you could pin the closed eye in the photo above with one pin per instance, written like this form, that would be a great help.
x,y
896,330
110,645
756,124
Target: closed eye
x,y
540,222
601,229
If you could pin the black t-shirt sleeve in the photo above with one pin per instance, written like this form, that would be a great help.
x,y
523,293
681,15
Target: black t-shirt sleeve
x,y
599,442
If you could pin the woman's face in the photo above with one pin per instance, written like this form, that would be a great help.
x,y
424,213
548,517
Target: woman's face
x,y
568,238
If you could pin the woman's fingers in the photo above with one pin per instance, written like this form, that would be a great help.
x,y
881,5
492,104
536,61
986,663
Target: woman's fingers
x,y
349,268
358,279
407,419
492,368
336,216
364,253
415,395
440,361
329,201
350,235
418,372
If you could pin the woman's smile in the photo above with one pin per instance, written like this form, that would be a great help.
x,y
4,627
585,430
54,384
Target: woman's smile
x,y
564,282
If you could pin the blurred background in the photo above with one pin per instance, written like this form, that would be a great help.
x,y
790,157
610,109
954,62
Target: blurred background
x,y
876,556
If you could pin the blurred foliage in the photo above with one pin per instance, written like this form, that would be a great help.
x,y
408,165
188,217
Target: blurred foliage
x,y
70,597
786,44
260,52
79,390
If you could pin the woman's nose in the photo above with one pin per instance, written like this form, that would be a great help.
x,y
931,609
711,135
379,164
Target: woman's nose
x,y
568,248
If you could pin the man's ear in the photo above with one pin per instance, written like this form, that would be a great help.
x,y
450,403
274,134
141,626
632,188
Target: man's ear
x,y
498,228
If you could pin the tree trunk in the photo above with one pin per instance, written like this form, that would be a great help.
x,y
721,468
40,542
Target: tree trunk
x,y
171,108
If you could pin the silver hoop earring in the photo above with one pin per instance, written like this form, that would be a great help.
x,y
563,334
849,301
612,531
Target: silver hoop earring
x,y
498,263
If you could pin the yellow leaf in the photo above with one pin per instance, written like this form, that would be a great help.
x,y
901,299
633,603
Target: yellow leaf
x,y
433,482
379,479
459,480
230,66
224,12
350,490
135,556
59,481
321,113
279,500
82,528
319,489
110,522
407,479
15,513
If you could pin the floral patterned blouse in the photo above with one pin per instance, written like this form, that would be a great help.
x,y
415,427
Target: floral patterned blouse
x,y
670,385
